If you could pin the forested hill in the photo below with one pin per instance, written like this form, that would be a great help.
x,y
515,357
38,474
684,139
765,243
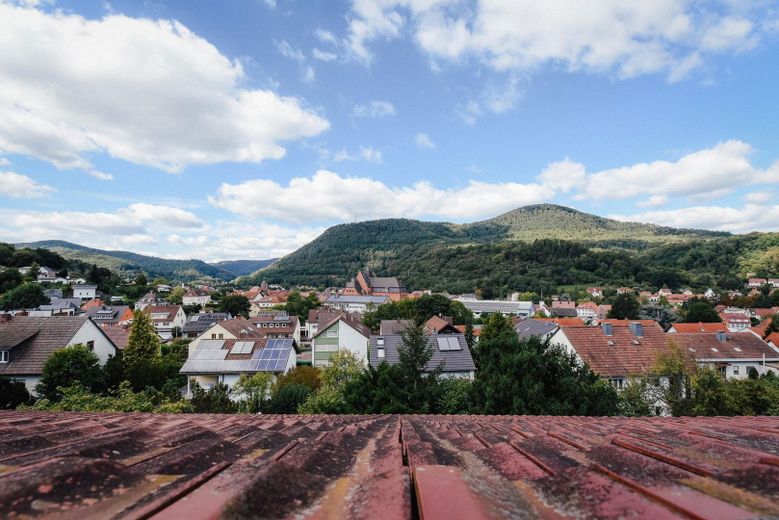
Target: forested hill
x,y
243,267
532,248
125,261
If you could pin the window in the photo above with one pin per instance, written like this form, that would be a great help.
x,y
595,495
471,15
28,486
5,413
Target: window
x,y
735,370
221,336
381,352
617,382
91,345
4,356
213,335
332,333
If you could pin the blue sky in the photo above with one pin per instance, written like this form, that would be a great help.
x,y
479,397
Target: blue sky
x,y
225,130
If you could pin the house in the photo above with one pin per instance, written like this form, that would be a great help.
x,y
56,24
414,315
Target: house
x,y
665,292
214,361
732,354
264,302
85,292
450,352
439,325
774,282
46,274
697,328
315,317
587,311
595,292
540,328
523,309
27,342
196,297
366,283
166,318
735,322
565,312
563,304
198,323
773,339
58,307
110,316
617,350
277,324
163,288
344,332
351,303
709,294
236,328
393,327
476,331
150,298
53,293
625,290
756,283
119,334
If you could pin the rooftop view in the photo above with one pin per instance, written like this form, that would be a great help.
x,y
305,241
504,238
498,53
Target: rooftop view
x,y
372,258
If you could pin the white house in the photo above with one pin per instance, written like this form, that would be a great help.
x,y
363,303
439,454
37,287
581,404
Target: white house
x,y
236,328
345,332
27,342
85,292
522,309
355,303
193,297
166,318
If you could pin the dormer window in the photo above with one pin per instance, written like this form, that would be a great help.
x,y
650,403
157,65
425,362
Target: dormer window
x,y
5,356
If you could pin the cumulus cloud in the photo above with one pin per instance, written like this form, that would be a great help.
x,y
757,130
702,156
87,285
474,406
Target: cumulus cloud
x,y
331,197
374,109
424,142
20,186
563,176
151,92
321,55
750,217
759,197
629,38
712,172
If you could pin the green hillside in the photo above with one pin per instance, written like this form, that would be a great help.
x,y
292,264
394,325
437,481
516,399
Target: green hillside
x,y
242,267
127,262
532,248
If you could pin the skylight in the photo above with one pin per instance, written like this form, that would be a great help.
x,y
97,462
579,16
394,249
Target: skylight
x,y
446,343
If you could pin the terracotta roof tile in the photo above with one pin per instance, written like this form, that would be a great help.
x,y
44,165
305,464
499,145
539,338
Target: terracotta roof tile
x,y
691,328
738,345
386,466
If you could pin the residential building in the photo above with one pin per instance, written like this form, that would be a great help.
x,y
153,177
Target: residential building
x,y
587,312
264,302
27,342
366,283
756,283
697,328
449,352
625,290
522,309
163,288
732,354
355,303
774,282
439,325
53,294
214,361
393,327
277,324
111,316
565,312
85,292
236,328
344,332
166,318
773,339
148,299
58,307
119,334
198,323
196,297
315,317
595,292
540,328
735,322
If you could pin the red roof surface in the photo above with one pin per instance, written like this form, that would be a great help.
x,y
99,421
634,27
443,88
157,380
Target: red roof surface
x,y
739,345
433,467
692,328
621,354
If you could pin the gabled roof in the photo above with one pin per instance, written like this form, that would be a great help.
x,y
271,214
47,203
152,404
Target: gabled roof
x,y
351,319
773,338
529,328
32,340
564,312
739,345
169,310
621,354
202,321
358,299
451,360
692,328
439,324
387,327
119,335
240,327
238,356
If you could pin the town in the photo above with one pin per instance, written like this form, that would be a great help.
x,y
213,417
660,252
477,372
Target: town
x,y
196,347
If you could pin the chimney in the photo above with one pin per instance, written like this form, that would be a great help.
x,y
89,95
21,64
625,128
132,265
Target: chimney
x,y
637,329
721,336
4,318
607,329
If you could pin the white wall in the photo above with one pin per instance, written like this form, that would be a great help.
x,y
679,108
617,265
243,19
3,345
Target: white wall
x,y
102,345
351,340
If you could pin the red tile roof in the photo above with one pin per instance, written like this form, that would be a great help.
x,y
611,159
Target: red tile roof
x,y
773,338
738,345
621,354
169,310
386,466
691,328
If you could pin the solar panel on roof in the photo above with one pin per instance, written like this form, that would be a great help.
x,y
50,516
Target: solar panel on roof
x,y
448,343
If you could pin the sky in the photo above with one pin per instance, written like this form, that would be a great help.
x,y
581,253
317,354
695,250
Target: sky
x,y
243,129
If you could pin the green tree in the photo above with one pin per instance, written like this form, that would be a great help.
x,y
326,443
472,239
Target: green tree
x,y
309,377
700,310
634,398
235,304
13,393
176,296
9,279
625,307
676,367
534,377
142,354
141,280
297,305
25,296
288,398
709,393
344,368
455,396
253,390
74,365
215,400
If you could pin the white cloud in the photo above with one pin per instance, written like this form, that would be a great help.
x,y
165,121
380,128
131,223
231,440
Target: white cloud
x,y
288,51
707,173
4,161
497,98
365,153
100,175
164,215
330,197
653,202
759,197
321,55
146,91
374,109
325,36
424,142
563,176
270,3
751,217
21,186
629,38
